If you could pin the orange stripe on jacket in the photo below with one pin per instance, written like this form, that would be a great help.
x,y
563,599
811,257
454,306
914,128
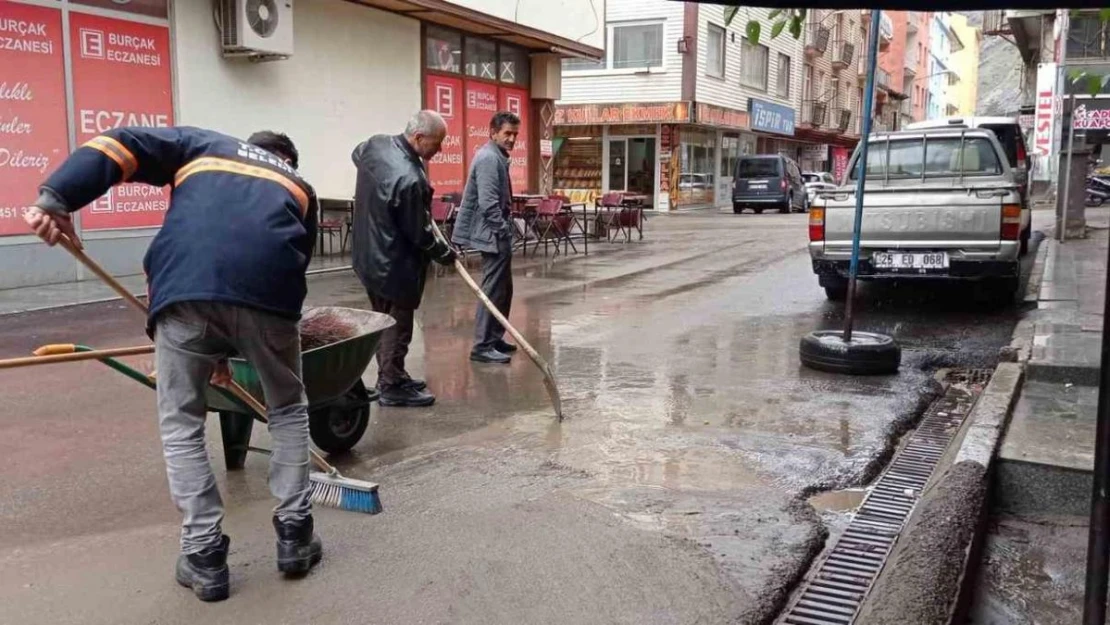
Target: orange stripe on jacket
x,y
117,152
223,165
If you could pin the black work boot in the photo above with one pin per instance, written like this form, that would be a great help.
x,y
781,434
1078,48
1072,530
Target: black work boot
x,y
404,396
298,548
206,572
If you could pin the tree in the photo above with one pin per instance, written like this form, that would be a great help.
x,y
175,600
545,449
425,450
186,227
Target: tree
x,y
791,20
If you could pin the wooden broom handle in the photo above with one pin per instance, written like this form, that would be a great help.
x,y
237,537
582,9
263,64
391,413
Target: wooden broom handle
x,y
100,273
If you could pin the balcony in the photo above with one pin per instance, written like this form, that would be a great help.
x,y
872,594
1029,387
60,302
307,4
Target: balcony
x,y
886,31
817,39
882,79
909,64
814,113
913,21
842,118
843,55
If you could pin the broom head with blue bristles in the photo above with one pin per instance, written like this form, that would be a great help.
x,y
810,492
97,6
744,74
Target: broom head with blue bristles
x,y
335,491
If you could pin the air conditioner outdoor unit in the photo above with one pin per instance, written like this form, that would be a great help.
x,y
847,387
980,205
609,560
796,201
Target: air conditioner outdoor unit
x,y
261,30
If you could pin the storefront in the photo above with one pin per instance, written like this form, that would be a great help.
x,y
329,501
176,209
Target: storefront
x,y
774,126
631,148
72,69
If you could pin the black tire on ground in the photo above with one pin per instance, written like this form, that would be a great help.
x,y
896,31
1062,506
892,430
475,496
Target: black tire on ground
x,y
339,426
789,206
837,292
235,430
757,211
737,209
867,354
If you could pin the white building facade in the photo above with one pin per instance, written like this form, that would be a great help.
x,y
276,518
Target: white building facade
x,y
334,73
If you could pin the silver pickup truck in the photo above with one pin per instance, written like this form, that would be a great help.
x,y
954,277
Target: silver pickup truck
x,y
940,204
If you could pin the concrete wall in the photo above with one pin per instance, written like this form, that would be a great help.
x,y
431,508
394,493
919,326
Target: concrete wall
x,y
629,85
328,97
582,21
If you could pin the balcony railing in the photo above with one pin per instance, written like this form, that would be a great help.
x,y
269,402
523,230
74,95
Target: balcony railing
x,y
817,38
882,78
911,62
844,53
842,119
913,21
1088,38
815,113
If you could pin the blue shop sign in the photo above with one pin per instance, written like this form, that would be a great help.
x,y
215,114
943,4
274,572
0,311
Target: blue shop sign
x,y
771,117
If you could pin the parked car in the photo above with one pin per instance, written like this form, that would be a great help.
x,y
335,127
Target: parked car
x,y
1008,131
768,181
938,204
816,181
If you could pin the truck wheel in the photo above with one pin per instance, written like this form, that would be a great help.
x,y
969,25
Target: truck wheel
x,y
837,292
235,429
339,426
866,354
758,211
789,206
737,209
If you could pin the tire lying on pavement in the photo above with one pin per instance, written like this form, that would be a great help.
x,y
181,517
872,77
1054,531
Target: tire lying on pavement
x,y
866,354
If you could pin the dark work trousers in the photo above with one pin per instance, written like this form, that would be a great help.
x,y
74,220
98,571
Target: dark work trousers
x,y
497,284
395,341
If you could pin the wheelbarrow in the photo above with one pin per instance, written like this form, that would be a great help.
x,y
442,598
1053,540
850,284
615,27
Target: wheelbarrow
x,y
338,401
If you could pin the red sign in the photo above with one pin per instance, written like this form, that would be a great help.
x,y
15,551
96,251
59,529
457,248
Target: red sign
x,y
447,170
121,77
481,106
840,158
515,101
33,130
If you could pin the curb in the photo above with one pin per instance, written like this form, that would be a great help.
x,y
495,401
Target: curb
x,y
927,580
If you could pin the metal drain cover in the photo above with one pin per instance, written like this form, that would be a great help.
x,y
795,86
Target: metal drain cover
x,y
837,585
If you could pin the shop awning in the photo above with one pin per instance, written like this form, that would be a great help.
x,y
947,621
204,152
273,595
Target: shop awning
x,y
477,23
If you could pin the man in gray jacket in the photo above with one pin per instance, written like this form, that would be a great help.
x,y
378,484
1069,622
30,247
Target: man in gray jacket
x,y
484,224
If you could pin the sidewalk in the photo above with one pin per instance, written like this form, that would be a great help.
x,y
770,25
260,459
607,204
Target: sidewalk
x,y
1034,553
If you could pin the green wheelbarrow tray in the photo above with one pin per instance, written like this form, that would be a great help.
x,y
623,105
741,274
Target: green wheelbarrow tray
x,y
328,371
338,401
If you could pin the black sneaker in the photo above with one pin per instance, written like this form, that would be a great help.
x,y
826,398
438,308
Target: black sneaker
x,y
206,572
419,385
404,396
490,356
505,348
298,548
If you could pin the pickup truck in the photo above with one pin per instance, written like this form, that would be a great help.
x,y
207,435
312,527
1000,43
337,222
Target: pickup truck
x,y
938,204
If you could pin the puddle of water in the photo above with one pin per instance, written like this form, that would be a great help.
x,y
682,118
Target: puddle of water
x,y
838,500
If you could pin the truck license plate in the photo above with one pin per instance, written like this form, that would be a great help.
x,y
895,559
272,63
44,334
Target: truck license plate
x,y
910,261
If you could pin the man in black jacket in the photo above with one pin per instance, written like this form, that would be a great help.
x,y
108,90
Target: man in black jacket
x,y
392,242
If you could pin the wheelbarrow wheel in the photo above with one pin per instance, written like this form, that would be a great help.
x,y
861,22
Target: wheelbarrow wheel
x,y
339,426
235,429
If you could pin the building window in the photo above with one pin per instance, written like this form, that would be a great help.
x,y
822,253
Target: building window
x,y
753,66
637,46
697,179
715,52
481,58
1088,37
443,50
583,65
782,88
515,65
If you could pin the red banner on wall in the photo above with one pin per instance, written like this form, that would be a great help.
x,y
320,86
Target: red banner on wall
x,y
840,158
121,77
481,106
33,130
516,101
447,170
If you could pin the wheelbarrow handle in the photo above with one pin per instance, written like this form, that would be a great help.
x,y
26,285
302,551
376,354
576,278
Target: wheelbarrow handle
x,y
55,353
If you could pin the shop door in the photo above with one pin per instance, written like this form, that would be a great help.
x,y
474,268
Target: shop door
x,y
632,165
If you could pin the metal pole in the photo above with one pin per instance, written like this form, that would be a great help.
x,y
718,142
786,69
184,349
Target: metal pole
x,y
1098,540
1061,233
861,169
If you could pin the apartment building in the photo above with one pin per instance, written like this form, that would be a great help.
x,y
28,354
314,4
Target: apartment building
x,y
965,65
832,87
676,100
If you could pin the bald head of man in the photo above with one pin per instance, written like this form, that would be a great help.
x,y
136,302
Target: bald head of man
x,y
425,133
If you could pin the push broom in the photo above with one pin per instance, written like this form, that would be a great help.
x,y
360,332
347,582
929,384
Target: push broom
x,y
548,376
329,488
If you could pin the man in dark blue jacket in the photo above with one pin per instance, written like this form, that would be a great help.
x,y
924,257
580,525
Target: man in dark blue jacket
x,y
226,276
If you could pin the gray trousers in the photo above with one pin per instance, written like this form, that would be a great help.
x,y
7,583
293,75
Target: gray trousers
x,y
190,338
497,284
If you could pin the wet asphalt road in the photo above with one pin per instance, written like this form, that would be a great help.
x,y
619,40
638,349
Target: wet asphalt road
x,y
673,493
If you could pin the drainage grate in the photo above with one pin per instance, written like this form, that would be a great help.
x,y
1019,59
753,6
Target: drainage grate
x,y
838,584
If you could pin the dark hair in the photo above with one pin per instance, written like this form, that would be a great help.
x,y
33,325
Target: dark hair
x,y
498,121
278,143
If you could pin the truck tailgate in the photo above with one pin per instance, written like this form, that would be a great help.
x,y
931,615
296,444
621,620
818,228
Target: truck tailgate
x,y
905,218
